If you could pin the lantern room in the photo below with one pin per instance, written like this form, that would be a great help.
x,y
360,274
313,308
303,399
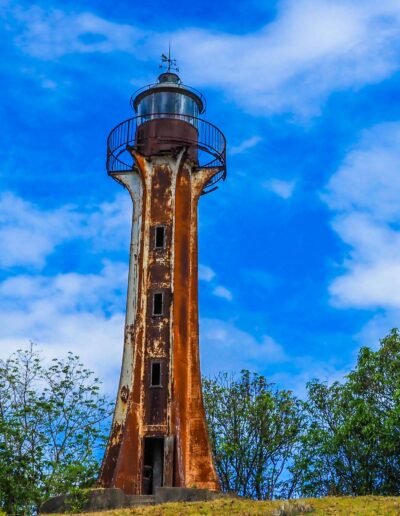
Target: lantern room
x,y
167,120
167,116
168,96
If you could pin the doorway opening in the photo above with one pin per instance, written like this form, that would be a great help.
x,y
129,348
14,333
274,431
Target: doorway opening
x,y
153,464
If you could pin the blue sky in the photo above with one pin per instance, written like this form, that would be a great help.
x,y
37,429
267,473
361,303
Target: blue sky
x,y
299,248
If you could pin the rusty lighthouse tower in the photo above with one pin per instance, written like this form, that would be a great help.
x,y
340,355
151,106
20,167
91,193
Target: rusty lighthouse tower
x,y
166,157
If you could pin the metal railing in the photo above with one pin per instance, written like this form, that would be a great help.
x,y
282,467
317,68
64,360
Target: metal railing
x,y
210,142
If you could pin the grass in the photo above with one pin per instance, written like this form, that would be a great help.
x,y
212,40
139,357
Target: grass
x,y
368,505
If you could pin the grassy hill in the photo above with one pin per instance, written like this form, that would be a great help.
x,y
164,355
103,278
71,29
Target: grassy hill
x,y
368,505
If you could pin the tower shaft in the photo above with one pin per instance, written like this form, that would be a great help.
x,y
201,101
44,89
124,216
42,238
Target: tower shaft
x,y
159,435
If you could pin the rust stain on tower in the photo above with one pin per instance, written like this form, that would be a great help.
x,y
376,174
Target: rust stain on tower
x,y
167,157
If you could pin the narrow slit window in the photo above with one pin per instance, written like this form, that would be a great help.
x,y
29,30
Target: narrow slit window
x,y
158,303
160,237
155,380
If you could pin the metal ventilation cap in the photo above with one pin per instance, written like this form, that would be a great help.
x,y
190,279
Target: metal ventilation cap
x,y
169,77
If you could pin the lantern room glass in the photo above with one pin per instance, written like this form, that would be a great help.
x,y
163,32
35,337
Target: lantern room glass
x,y
160,104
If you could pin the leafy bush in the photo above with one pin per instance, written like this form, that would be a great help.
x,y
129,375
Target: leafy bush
x,y
52,429
254,429
352,442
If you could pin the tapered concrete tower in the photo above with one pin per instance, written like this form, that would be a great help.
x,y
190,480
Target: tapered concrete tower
x,y
166,157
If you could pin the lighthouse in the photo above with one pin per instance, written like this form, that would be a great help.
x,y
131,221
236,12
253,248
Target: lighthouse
x,y
167,157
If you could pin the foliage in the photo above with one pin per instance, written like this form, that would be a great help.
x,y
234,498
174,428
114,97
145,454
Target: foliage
x,y
51,429
253,429
352,443
342,440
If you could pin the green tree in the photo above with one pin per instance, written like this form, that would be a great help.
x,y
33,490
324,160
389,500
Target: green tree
x,y
254,428
352,443
53,423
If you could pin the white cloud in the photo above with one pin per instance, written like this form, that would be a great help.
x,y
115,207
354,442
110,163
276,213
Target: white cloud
x,y
55,33
281,188
247,144
308,369
312,48
223,292
364,195
206,273
83,313
378,327
29,234
368,179
374,284
107,225
67,291
224,347
68,312
292,65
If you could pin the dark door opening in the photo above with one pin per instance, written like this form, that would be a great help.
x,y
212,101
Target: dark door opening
x,y
153,464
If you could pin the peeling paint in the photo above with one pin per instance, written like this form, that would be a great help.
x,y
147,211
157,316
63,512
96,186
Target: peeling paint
x,y
165,187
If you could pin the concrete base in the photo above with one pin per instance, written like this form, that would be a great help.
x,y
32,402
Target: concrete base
x,y
107,499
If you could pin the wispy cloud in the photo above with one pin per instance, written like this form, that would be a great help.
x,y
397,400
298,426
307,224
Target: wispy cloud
x,y
29,234
364,196
281,188
226,347
236,349
82,313
247,144
291,65
49,34
223,292
309,369
67,291
206,273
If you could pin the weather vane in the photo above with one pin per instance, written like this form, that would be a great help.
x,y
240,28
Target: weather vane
x,y
167,62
